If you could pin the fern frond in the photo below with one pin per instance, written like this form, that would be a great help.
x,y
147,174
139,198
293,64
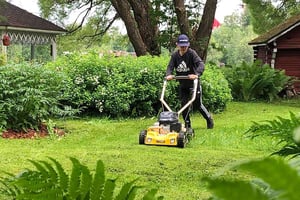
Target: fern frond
x,y
125,190
133,192
74,189
98,182
62,175
53,176
9,188
289,150
86,181
42,170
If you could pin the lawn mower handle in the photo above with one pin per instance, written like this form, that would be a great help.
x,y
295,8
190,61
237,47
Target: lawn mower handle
x,y
189,102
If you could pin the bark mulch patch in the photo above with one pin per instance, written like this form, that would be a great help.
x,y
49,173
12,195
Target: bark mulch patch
x,y
30,133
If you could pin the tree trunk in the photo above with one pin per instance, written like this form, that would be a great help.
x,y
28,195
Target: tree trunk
x,y
147,26
124,10
182,18
202,35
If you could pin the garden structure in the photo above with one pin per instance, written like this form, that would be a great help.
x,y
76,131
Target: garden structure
x,y
17,26
280,48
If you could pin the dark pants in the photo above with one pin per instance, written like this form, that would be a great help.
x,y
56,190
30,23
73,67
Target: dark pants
x,y
185,92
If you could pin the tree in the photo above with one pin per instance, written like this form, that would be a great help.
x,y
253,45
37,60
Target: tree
x,y
229,42
146,21
265,14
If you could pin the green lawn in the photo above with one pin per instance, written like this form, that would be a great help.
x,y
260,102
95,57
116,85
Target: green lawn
x,y
176,172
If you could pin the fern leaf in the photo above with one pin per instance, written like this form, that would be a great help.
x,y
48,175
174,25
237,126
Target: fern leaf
x,y
97,187
242,190
9,189
86,180
125,190
40,168
53,176
75,179
62,175
132,193
109,188
290,150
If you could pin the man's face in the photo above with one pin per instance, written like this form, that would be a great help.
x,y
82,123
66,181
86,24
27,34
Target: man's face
x,y
182,49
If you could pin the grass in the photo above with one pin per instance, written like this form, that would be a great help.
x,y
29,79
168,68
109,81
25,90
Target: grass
x,y
176,172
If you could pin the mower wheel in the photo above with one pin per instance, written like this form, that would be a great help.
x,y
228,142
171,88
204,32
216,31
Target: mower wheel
x,y
181,140
142,136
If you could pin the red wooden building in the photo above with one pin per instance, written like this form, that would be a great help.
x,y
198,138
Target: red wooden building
x,y
280,48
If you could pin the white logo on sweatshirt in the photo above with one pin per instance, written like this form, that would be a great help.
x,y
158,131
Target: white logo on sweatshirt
x,y
182,67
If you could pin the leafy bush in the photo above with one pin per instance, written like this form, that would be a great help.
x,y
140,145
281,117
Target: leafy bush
x,y
255,81
29,94
128,86
274,179
50,181
216,91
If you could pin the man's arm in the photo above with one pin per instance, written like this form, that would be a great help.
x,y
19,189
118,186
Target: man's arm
x,y
198,64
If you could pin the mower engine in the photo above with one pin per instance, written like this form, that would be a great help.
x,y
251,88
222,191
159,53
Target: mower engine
x,y
169,122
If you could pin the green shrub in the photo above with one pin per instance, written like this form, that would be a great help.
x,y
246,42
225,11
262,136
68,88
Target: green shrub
x,y
255,81
51,181
29,94
216,92
129,86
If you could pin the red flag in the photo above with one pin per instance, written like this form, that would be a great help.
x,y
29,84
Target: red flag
x,y
216,24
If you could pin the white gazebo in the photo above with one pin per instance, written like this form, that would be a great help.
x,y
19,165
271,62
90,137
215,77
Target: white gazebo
x,y
21,27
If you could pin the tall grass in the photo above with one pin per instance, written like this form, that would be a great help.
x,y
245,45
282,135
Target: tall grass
x,y
176,172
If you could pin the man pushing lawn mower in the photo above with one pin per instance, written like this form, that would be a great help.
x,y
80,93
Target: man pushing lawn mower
x,y
186,62
168,131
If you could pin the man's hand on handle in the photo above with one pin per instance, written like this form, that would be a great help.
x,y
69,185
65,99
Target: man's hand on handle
x,y
169,77
193,76
190,76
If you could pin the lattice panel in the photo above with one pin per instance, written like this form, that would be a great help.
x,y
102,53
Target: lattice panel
x,y
30,38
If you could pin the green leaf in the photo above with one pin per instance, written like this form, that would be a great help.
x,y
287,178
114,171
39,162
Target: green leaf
x,y
74,189
97,186
86,180
125,190
278,174
234,190
109,188
62,175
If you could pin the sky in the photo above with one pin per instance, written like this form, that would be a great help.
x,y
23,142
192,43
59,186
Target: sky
x,y
224,7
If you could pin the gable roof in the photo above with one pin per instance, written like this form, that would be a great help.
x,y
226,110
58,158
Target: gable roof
x,y
15,18
277,31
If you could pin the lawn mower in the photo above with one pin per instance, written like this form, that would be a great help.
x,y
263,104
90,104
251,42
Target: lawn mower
x,y
168,131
